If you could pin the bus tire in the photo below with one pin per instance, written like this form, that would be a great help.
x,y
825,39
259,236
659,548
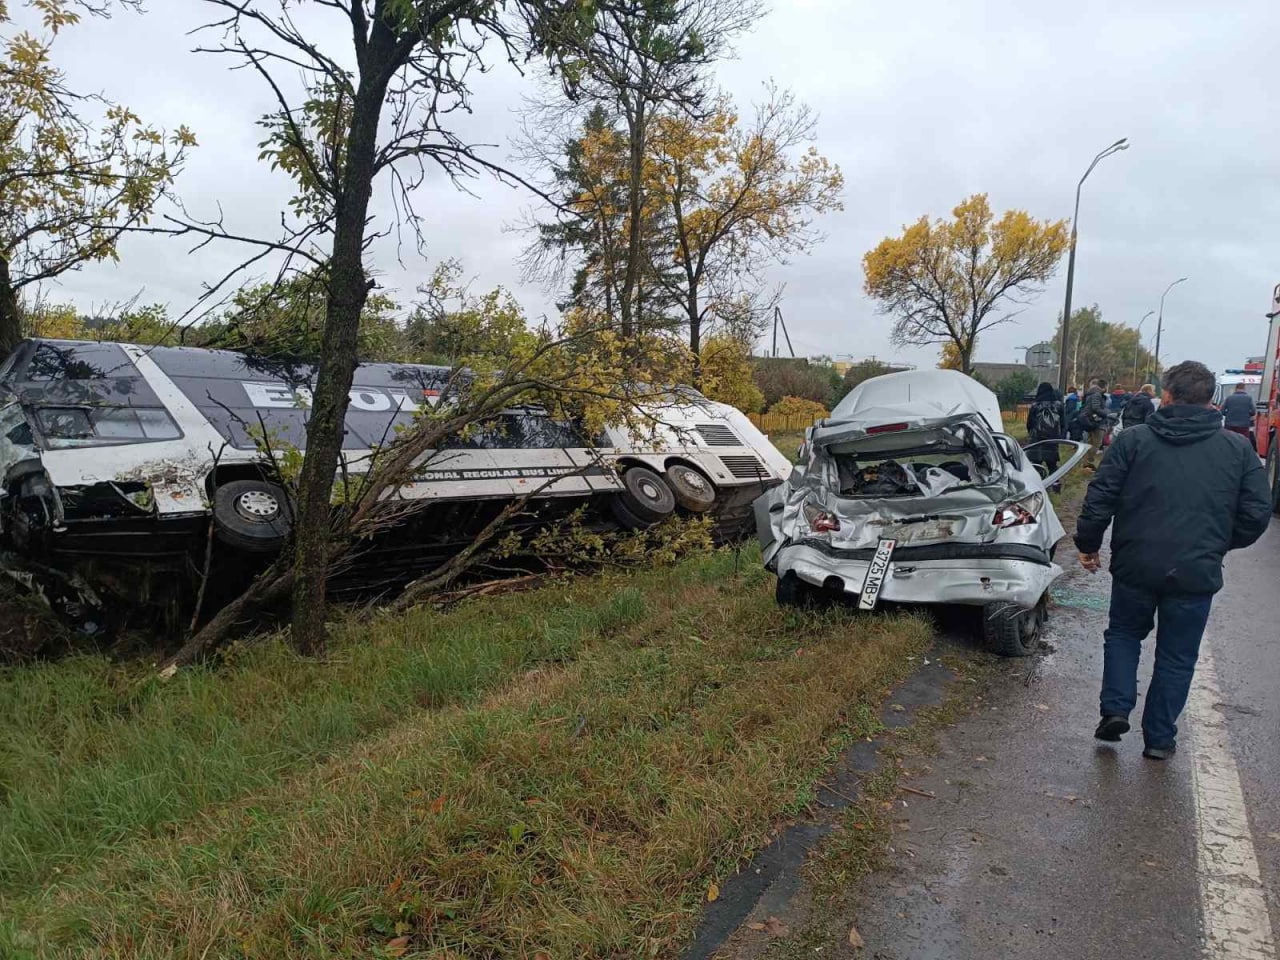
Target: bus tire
x,y
626,519
692,490
645,495
252,515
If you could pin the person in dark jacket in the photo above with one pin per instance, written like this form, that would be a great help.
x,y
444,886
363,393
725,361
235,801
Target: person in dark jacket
x,y
1140,408
1180,492
1046,420
1238,411
1071,407
1093,419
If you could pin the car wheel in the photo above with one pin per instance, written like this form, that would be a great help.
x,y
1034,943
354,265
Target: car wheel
x,y
1013,631
646,495
1273,472
252,515
791,591
692,490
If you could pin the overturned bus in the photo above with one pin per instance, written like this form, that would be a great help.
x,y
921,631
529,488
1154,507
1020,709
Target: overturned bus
x,y
123,468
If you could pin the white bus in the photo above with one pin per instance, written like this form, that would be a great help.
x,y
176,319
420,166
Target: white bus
x,y
120,463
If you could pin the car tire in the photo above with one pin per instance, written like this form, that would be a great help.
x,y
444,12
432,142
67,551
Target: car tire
x,y
645,495
252,515
1273,473
692,490
791,591
1013,631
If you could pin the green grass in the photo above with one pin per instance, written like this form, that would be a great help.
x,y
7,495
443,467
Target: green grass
x,y
561,772
788,444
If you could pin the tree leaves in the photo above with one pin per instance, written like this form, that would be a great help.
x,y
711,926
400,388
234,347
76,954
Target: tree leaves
x,y
946,281
72,182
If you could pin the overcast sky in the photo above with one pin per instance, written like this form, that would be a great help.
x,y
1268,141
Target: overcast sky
x,y
921,104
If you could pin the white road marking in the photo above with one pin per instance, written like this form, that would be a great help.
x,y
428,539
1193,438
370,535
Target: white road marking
x,y
1233,902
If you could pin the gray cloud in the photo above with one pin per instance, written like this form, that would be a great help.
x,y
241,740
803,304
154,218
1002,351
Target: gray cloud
x,y
921,104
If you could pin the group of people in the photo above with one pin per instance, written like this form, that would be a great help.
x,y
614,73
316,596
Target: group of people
x,y
1092,415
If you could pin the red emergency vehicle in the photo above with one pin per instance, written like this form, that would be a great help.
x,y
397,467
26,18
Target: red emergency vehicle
x,y
1266,427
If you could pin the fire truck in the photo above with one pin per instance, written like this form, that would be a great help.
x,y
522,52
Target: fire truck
x,y
1266,428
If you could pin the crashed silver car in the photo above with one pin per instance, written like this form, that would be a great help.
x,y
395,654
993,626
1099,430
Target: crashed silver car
x,y
909,493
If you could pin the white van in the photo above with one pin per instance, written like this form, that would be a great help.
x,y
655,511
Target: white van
x,y
119,463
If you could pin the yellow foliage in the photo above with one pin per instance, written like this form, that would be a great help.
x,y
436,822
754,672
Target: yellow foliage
x,y
799,407
57,321
945,281
950,359
727,373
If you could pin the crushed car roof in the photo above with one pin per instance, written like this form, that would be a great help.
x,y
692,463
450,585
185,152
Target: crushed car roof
x,y
917,397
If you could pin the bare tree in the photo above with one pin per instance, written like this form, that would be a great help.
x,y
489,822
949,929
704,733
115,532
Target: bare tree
x,y
386,118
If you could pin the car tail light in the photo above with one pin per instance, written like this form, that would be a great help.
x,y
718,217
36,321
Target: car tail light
x,y
819,520
888,428
1019,512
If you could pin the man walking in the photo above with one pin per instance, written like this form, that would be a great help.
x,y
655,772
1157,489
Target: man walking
x,y
1182,492
1093,419
1237,412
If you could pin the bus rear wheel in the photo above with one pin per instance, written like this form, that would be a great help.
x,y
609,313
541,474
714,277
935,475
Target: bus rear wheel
x,y
252,515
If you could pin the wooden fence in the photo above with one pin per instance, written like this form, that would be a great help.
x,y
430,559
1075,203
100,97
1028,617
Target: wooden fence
x,y
782,422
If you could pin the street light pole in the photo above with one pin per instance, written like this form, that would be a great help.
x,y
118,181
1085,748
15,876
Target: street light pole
x,y
1137,347
1160,323
1121,144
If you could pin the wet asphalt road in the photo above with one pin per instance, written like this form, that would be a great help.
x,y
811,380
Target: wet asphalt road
x,y
1044,843
1041,842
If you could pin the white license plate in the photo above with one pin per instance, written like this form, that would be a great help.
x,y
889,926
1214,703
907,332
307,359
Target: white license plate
x,y
876,574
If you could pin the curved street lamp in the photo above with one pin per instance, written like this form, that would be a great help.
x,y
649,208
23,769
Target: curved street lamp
x,y
1121,144
1160,322
1137,347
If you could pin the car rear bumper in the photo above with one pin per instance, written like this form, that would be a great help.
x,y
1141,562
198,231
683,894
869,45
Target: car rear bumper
x,y
972,574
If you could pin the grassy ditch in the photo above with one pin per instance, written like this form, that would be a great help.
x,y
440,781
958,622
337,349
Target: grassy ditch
x,y
563,772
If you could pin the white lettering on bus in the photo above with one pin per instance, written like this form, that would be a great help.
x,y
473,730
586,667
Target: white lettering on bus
x,y
369,399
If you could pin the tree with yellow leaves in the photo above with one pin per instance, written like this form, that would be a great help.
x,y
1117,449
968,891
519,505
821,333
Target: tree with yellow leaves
x,y
69,188
946,281
740,196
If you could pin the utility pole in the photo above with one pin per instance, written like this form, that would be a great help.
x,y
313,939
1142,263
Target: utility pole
x,y
777,320
1160,325
1121,144
1137,347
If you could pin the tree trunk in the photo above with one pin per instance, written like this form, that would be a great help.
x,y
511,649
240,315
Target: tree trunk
x,y
966,358
268,590
347,291
695,334
10,317
636,122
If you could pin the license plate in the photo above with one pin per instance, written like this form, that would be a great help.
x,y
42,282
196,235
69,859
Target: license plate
x,y
876,574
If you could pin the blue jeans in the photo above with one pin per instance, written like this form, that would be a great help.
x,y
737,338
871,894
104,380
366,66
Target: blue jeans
x,y
1182,617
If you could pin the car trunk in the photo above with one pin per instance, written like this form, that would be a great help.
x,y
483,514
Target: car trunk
x,y
917,483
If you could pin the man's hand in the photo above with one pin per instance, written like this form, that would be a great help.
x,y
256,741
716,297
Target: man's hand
x,y
1091,562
